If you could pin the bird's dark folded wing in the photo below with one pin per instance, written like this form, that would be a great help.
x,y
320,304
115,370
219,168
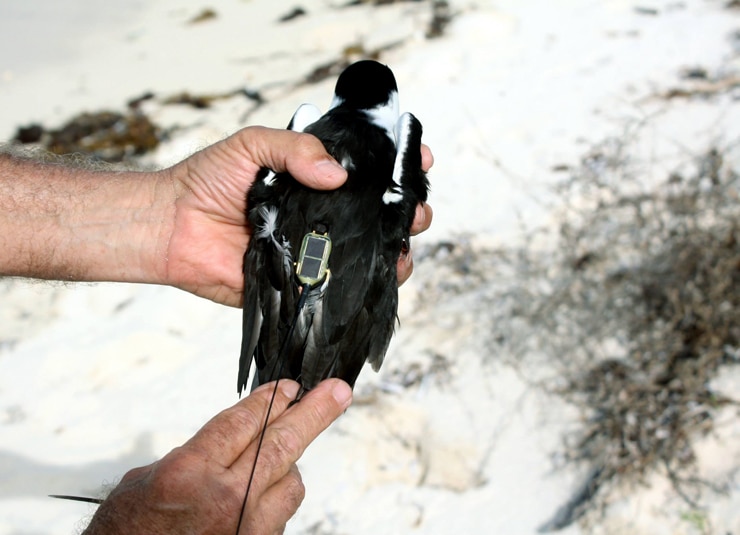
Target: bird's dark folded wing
x,y
318,356
269,268
347,288
252,314
350,352
383,299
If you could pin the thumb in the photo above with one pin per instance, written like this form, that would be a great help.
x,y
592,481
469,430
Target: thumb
x,y
302,155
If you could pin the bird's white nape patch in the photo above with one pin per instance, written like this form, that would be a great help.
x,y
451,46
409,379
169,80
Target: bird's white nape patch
x,y
402,132
336,102
305,115
385,115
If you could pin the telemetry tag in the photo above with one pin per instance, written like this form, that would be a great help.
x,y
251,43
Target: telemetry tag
x,y
313,260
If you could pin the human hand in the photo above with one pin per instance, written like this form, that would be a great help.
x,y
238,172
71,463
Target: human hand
x,y
199,487
209,235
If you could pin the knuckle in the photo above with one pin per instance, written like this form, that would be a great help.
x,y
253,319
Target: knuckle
x,y
306,144
135,474
282,447
173,475
295,490
244,418
274,515
230,499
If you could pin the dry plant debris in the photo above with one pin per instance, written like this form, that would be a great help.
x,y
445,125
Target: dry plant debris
x,y
629,316
640,302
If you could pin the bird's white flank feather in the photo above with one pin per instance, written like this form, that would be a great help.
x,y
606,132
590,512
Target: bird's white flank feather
x,y
268,230
402,132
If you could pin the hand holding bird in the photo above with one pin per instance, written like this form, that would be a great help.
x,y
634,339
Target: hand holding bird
x,y
206,234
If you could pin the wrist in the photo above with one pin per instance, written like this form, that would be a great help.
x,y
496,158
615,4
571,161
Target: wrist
x,y
125,231
66,223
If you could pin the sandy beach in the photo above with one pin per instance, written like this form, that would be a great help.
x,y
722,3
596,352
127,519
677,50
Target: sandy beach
x,y
453,435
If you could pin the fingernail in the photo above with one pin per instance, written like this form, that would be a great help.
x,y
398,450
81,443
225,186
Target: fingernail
x,y
288,388
421,213
342,393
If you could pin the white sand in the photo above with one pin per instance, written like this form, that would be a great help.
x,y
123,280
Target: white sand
x,y
97,379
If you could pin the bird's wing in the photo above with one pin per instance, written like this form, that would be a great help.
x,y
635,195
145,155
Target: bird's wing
x,y
305,115
252,313
274,296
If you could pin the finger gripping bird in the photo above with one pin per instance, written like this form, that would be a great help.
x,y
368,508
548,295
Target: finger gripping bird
x,y
321,292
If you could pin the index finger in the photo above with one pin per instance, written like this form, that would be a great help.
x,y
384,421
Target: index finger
x,y
228,434
422,219
289,435
427,158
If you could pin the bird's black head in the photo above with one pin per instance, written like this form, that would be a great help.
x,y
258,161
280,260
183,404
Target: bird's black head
x,y
365,85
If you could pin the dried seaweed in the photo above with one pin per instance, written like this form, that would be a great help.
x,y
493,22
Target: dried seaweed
x,y
105,135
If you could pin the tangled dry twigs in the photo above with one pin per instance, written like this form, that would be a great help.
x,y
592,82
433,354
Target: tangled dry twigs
x,y
645,306
635,310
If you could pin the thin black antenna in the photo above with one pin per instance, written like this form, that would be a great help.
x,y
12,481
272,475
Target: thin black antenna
x,y
301,301
85,499
311,269
257,454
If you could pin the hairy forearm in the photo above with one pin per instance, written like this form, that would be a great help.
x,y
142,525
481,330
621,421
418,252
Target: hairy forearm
x,y
66,223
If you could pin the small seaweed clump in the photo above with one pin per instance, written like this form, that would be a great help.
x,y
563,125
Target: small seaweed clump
x,y
105,135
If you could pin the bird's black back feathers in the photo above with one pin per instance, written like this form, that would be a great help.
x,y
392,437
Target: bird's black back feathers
x,y
348,318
